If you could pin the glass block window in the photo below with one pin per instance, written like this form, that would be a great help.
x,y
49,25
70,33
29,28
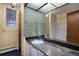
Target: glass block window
x,y
10,17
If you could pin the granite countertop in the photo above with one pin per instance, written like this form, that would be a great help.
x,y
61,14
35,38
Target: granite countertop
x,y
52,49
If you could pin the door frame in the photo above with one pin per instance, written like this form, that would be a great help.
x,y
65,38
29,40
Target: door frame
x,y
21,29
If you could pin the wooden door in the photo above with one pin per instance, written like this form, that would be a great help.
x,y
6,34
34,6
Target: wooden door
x,y
73,27
8,28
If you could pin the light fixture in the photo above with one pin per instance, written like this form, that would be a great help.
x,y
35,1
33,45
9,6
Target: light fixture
x,y
13,5
47,8
46,15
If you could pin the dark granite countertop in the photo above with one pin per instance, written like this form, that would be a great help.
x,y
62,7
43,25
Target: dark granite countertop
x,y
52,49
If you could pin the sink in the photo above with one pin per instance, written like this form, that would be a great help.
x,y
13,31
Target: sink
x,y
37,41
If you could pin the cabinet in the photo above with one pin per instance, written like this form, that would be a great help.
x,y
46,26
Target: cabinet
x,y
32,51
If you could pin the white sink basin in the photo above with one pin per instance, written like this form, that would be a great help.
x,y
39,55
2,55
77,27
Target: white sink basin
x,y
37,41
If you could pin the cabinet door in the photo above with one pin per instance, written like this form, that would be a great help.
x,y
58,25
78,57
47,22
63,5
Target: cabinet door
x,y
40,53
34,52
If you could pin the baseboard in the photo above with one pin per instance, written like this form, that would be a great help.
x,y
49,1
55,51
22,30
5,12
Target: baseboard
x,y
8,50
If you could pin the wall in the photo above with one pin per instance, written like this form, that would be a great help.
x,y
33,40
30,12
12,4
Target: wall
x,y
61,27
53,26
47,26
33,22
50,26
56,26
61,31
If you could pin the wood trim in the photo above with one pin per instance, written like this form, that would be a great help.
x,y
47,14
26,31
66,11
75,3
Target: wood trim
x,y
20,32
8,50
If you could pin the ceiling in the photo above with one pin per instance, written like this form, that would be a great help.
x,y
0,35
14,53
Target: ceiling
x,y
70,7
44,7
